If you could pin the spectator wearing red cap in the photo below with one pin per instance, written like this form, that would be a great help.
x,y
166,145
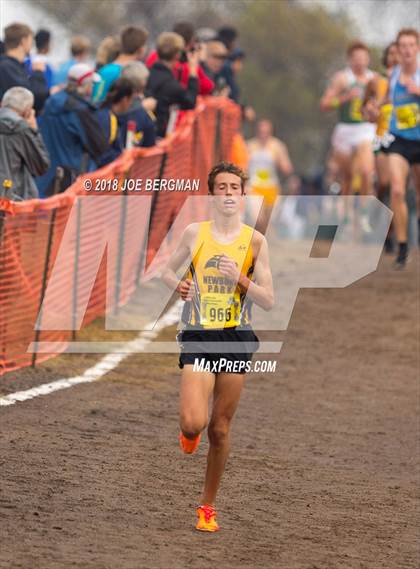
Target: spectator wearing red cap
x,y
70,129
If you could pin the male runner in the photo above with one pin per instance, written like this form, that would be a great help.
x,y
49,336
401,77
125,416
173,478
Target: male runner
x,y
404,151
223,280
378,109
268,156
353,135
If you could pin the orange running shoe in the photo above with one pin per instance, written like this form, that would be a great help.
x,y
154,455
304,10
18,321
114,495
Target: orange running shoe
x,y
207,518
189,445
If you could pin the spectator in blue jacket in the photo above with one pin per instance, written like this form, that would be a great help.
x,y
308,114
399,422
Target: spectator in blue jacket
x,y
118,101
144,119
70,129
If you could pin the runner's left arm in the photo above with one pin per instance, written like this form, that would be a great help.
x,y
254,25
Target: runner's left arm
x,y
259,291
284,164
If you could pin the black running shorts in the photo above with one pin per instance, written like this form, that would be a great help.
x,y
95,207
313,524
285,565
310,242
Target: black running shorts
x,y
196,347
408,149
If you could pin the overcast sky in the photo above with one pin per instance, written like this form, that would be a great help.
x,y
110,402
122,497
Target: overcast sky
x,y
378,20
22,11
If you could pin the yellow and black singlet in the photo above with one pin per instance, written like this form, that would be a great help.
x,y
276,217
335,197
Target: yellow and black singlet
x,y
218,302
385,111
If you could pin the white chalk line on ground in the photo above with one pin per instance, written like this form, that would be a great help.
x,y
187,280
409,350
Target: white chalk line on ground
x,y
104,366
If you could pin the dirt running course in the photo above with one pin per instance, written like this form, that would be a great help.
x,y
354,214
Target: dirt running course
x,y
324,466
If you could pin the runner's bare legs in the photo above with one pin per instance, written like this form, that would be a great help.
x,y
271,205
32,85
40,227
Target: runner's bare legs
x,y
227,393
196,388
344,163
399,170
195,391
416,178
366,166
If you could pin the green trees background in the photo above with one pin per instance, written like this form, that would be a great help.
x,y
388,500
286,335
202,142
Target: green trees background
x,y
292,47
291,51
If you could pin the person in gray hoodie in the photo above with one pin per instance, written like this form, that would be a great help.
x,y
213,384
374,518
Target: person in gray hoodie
x,y
22,151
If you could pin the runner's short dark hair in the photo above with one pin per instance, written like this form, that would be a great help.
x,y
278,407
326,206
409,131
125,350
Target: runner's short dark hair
x,y
42,39
229,167
384,59
132,39
355,45
408,32
227,35
186,30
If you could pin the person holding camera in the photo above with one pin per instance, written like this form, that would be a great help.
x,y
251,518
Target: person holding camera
x,y
165,88
181,69
215,58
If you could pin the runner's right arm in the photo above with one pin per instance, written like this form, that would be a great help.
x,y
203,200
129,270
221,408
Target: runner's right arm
x,y
184,287
334,95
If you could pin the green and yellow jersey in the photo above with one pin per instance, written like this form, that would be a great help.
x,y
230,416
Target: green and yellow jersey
x,y
350,112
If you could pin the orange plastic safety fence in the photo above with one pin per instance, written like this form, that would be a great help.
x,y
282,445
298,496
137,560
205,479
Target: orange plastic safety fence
x,y
31,231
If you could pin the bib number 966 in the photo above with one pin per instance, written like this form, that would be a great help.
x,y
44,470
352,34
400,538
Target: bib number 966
x,y
220,314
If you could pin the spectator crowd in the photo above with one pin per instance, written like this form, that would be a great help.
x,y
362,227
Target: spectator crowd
x,y
81,115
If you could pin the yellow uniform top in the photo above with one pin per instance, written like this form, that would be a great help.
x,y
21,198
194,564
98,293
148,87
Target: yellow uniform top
x,y
385,111
217,302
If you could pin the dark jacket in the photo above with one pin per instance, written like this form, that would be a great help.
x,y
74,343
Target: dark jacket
x,y
228,75
14,74
110,127
22,156
145,133
219,79
70,131
163,86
